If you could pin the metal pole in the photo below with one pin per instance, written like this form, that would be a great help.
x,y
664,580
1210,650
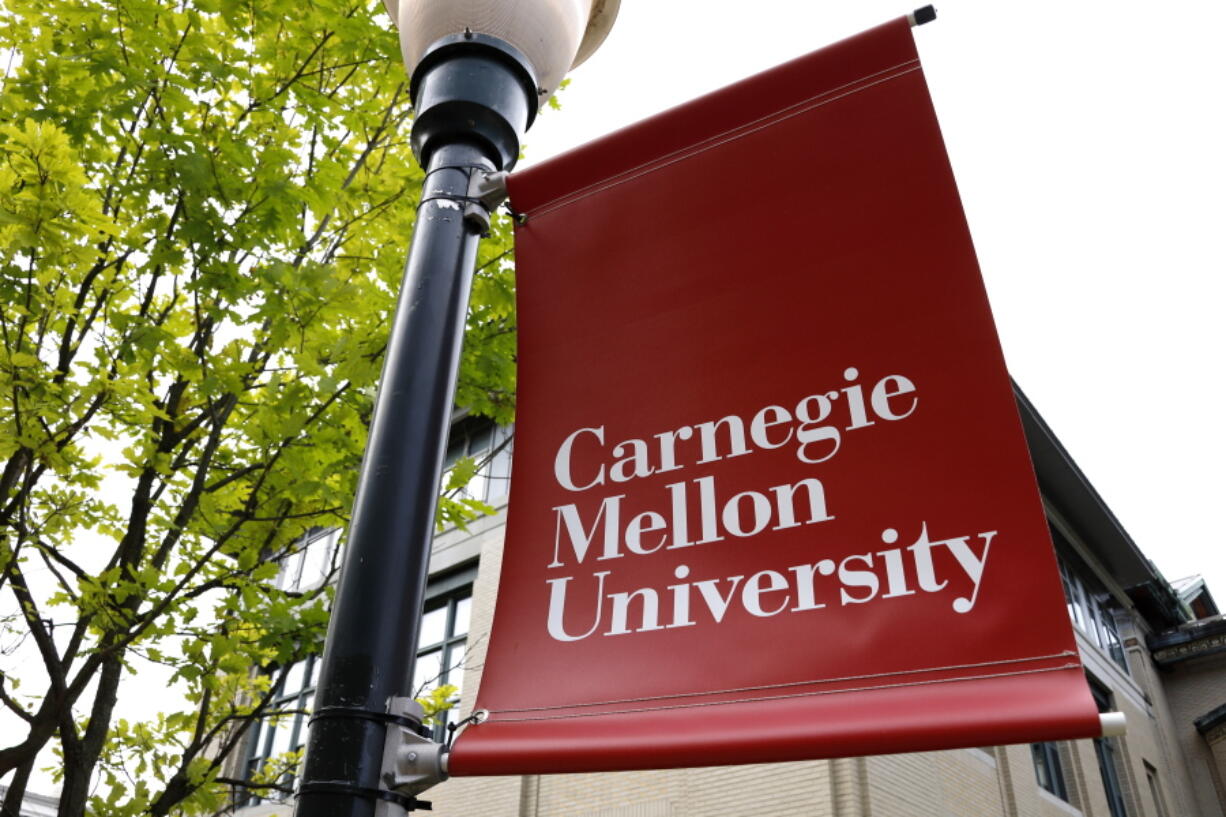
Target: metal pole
x,y
473,101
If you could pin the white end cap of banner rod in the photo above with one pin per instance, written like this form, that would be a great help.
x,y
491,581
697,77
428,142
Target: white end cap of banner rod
x,y
555,35
923,15
1114,724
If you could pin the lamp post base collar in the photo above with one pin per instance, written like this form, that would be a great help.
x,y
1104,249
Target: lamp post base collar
x,y
476,88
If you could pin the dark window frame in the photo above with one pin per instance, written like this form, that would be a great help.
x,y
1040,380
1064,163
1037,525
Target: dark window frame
x,y
449,590
1155,790
1106,750
1090,608
316,553
296,704
1049,769
490,445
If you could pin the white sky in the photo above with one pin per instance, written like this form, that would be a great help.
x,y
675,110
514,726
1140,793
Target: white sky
x,y
1089,144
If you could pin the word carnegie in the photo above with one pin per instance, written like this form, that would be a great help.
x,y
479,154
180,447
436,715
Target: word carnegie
x,y
857,579
814,427
691,510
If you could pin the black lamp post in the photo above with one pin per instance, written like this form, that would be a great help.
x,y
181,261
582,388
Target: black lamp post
x,y
476,81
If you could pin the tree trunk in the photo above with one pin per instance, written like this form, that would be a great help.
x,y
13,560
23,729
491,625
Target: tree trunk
x,y
81,760
42,729
17,790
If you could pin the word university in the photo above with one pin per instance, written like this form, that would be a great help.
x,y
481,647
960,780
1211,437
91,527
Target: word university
x,y
815,428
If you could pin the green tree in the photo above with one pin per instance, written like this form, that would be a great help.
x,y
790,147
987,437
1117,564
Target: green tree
x,y
204,211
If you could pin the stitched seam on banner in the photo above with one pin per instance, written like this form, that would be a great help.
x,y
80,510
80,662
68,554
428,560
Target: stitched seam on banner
x,y
757,688
725,136
740,132
648,709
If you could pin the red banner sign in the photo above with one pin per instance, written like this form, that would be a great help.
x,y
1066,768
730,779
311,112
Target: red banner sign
x,y
771,498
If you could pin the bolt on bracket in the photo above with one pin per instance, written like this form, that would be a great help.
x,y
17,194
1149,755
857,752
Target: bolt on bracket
x,y
412,762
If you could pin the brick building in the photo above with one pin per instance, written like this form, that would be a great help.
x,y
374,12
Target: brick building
x,y
1152,650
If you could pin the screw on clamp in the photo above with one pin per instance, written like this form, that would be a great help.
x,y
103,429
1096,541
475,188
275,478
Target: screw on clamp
x,y
412,762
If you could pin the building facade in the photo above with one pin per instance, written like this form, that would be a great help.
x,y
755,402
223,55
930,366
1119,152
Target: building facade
x,y
35,805
1152,650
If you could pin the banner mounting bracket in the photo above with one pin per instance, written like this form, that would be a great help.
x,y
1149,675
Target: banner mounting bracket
x,y
412,762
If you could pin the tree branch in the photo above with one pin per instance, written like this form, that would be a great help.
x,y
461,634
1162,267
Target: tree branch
x,y
14,707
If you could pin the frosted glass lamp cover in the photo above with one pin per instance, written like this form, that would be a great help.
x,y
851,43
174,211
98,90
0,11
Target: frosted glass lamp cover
x,y
555,35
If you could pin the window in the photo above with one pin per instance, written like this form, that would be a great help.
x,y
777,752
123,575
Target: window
x,y
1107,750
1090,609
443,640
490,446
1111,636
1155,790
284,731
310,564
1073,596
1047,768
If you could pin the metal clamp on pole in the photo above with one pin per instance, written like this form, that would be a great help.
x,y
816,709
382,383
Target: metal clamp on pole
x,y
412,763
485,192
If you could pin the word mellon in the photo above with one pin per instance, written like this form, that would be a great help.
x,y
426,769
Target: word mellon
x,y
741,515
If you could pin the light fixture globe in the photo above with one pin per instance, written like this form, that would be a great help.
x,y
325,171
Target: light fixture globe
x,y
599,22
553,35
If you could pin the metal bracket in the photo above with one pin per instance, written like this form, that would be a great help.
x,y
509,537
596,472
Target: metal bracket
x,y
411,763
485,192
